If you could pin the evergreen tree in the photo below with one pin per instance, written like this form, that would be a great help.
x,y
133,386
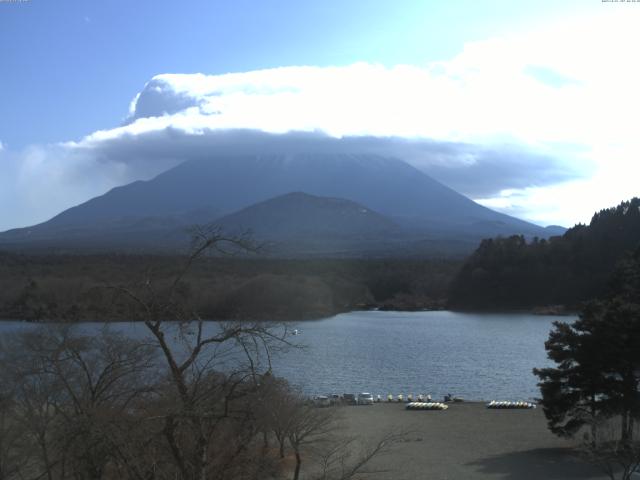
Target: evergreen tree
x,y
573,392
512,273
597,372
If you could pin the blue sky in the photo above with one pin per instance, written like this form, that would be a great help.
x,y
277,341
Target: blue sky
x,y
527,107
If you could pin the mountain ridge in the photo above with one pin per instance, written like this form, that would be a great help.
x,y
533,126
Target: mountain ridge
x,y
225,185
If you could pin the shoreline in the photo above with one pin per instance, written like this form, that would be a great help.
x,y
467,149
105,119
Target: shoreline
x,y
541,311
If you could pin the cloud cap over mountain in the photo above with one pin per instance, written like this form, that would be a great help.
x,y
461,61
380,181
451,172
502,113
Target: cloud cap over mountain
x,y
517,123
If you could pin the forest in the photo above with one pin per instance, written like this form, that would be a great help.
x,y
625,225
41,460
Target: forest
x,y
79,287
564,271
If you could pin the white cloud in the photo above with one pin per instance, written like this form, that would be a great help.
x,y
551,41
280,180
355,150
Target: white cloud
x,y
540,124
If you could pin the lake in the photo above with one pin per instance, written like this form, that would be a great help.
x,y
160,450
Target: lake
x,y
476,356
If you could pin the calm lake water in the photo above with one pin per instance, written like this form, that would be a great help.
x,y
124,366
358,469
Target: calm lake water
x,y
476,356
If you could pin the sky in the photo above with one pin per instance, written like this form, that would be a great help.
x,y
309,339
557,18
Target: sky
x,y
529,108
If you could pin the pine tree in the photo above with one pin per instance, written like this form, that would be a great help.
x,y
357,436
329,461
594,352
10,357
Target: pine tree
x,y
597,372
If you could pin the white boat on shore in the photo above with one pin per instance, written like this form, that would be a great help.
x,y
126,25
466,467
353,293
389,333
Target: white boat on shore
x,y
510,405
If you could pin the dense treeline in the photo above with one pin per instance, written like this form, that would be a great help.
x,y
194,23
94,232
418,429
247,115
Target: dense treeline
x,y
511,273
77,287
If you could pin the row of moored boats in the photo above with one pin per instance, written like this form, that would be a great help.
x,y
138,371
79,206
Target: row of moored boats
x,y
408,399
522,405
427,406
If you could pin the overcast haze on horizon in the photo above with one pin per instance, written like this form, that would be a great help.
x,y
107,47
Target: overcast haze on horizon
x,y
527,107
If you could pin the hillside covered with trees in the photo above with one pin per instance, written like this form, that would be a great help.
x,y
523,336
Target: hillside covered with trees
x,y
511,273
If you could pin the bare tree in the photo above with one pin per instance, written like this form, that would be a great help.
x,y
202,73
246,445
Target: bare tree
x,y
276,409
309,426
72,393
213,369
12,436
617,456
347,458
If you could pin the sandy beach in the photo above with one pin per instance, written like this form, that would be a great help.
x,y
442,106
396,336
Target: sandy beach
x,y
468,441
